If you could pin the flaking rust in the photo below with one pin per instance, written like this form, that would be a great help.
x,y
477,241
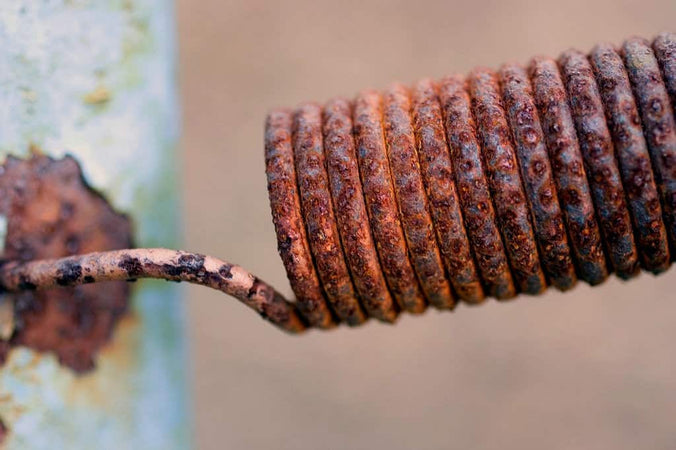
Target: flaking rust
x,y
52,212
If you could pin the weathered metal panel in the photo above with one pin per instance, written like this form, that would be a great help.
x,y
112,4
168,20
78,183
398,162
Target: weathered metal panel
x,y
95,78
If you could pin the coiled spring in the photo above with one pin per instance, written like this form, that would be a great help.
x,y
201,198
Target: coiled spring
x,y
494,184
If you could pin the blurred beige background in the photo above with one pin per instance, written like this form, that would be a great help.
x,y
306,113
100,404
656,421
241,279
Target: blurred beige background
x,y
593,369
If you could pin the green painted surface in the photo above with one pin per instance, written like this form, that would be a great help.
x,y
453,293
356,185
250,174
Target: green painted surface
x,y
95,78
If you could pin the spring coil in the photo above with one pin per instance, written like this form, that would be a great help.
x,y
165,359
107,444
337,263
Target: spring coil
x,y
494,184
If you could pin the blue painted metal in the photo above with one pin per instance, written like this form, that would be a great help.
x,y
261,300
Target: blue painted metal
x,y
95,78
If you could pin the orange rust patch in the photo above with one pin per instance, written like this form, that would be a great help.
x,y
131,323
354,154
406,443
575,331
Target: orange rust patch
x,y
52,212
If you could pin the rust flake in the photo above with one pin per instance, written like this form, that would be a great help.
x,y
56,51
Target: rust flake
x,y
52,212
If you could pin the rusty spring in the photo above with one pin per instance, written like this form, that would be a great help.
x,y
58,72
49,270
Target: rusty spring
x,y
491,185
494,184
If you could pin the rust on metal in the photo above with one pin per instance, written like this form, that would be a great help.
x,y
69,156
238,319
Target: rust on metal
x,y
568,169
411,198
286,214
494,185
475,197
51,212
507,181
317,209
382,204
160,263
633,157
437,174
602,170
351,215
657,117
665,52
504,180
537,176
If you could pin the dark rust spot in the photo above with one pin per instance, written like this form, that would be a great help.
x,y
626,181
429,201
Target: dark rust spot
x,y
225,271
192,264
25,284
131,265
68,273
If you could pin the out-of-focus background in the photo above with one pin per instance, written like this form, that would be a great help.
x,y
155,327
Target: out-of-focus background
x,y
592,369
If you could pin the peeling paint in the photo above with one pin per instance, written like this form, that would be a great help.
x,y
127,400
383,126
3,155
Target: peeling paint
x,y
95,78
53,213
98,96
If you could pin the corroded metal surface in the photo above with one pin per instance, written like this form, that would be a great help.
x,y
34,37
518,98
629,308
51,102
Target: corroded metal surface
x,y
382,204
132,264
665,51
568,168
658,122
505,181
536,173
411,198
502,182
475,197
633,157
51,213
292,239
437,172
353,221
320,221
602,170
